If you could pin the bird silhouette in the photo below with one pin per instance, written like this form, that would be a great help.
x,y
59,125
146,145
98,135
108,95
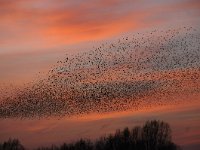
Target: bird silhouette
x,y
115,76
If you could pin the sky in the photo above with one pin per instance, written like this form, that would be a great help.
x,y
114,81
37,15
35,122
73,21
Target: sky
x,y
35,34
35,25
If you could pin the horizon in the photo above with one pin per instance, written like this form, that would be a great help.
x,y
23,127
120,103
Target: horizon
x,y
104,65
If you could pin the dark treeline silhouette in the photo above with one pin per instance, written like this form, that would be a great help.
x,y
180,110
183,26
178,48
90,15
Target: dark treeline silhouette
x,y
154,135
11,144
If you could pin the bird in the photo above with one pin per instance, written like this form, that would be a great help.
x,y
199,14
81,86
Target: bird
x,y
115,76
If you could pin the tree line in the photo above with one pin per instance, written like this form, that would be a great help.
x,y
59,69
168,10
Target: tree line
x,y
153,135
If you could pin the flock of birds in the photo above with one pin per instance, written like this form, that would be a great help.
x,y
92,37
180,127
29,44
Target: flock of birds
x,y
116,76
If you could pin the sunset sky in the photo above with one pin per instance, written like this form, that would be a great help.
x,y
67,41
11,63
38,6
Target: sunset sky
x,y
35,34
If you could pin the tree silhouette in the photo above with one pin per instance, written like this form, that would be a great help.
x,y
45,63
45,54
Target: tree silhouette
x,y
11,144
154,135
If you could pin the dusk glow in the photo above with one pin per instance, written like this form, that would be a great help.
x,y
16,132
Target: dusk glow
x,y
72,69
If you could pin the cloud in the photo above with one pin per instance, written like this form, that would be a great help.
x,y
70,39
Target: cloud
x,y
37,24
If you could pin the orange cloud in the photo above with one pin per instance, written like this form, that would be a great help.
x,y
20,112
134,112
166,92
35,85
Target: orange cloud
x,y
37,25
